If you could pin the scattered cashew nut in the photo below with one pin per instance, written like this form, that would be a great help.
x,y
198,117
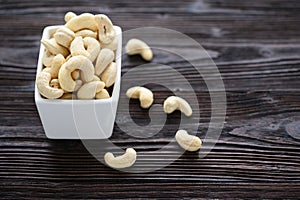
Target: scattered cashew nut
x,y
89,90
143,94
136,46
188,142
105,57
106,31
123,161
83,21
173,103
42,82
109,75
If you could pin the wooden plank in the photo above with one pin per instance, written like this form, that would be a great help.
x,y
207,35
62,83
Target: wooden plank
x,y
256,48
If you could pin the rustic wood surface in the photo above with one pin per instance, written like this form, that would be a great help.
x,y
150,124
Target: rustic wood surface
x,y
256,46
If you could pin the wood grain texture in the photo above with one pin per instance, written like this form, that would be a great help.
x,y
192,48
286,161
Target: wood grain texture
x,y
256,46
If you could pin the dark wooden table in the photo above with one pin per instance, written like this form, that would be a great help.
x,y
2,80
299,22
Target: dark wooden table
x,y
256,46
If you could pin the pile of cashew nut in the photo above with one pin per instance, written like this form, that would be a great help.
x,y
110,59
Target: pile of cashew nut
x,y
79,59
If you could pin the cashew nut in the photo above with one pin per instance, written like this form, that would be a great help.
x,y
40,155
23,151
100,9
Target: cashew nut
x,y
54,83
123,161
143,94
188,142
112,46
42,82
64,36
47,58
89,90
54,48
78,84
136,46
77,47
76,62
103,94
109,75
68,96
83,21
105,57
173,103
84,64
106,31
66,81
69,15
96,78
86,33
68,57
57,62
75,74
92,46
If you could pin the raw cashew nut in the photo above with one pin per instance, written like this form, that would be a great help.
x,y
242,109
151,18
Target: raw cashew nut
x,y
68,96
89,90
173,103
54,48
105,57
75,74
112,46
69,15
109,75
57,62
103,94
136,46
78,84
68,57
143,94
83,21
66,81
123,161
106,31
96,78
42,82
86,33
84,64
47,58
64,36
188,142
92,46
77,48
54,83
76,62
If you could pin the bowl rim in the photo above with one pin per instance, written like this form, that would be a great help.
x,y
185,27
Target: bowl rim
x,y
37,96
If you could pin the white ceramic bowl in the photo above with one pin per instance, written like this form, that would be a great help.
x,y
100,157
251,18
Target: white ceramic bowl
x,y
79,119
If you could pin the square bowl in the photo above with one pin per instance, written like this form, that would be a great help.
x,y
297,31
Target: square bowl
x,y
78,119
